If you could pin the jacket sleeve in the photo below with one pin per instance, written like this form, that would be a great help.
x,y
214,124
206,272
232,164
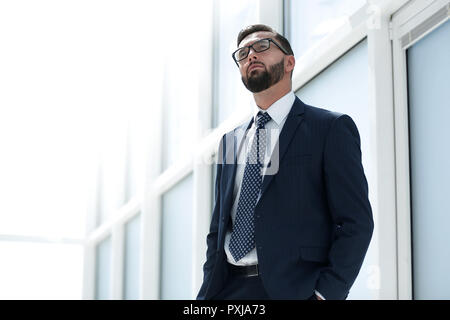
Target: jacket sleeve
x,y
211,239
351,213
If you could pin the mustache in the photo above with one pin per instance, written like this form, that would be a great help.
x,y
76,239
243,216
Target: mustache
x,y
253,63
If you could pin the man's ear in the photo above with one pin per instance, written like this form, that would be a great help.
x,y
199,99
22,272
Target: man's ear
x,y
289,64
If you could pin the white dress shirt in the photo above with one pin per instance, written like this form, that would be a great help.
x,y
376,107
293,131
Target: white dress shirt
x,y
278,111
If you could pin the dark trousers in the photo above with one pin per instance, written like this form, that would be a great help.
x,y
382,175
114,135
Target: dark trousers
x,y
238,287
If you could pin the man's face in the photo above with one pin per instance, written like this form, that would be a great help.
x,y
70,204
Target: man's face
x,y
261,70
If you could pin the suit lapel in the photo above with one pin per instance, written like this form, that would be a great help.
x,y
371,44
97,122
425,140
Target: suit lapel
x,y
294,118
232,145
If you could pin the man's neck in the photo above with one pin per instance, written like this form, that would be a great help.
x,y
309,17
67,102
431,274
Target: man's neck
x,y
266,98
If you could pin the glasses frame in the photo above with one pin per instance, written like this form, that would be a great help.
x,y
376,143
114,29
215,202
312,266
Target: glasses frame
x,y
251,47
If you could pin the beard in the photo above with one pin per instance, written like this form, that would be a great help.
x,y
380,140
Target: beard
x,y
265,79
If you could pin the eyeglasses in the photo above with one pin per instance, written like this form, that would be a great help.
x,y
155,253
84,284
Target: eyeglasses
x,y
259,46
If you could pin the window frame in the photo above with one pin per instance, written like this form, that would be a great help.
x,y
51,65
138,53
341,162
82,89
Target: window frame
x,y
414,16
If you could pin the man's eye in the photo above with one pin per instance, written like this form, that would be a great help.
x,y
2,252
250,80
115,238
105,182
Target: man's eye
x,y
242,53
261,46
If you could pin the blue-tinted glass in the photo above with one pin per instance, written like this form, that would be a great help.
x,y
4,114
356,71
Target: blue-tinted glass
x,y
132,258
176,251
429,114
103,270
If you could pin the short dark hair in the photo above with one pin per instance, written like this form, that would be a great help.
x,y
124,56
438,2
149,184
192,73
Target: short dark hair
x,y
282,41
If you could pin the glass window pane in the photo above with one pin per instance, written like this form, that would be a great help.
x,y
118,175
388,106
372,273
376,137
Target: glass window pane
x,y
343,87
428,83
311,21
40,270
103,270
229,92
132,258
176,265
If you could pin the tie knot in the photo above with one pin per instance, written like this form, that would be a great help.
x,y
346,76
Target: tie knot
x,y
262,118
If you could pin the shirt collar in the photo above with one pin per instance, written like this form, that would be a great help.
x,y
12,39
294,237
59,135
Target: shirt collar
x,y
279,110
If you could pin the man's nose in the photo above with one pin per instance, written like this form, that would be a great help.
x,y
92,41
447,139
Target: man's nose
x,y
252,54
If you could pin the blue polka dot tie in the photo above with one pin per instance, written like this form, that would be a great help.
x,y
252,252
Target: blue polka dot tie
x,y
243,234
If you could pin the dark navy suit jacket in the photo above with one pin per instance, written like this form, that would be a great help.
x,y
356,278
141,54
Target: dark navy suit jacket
x,y
313,219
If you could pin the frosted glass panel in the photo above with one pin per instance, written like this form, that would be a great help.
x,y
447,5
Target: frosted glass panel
x,y
311,21
429,114
229,91
343,87
176,265
103,270
132,258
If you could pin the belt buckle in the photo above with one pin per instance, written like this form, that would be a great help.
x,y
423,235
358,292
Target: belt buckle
x,y
254,273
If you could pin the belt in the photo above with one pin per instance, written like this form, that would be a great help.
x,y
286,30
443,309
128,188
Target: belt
x,y
244,271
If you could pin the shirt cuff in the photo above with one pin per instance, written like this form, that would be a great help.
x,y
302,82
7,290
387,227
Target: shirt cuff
x,y
319,295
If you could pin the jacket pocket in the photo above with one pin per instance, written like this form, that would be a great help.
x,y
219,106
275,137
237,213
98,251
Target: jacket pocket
x,y
316,254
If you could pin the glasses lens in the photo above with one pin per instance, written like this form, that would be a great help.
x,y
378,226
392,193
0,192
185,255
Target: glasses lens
x,y
261,45
241,54
258,46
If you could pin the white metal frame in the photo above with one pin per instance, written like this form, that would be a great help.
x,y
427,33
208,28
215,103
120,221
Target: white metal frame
x,y
411,18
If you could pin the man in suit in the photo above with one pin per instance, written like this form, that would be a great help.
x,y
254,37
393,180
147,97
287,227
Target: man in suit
x,y
297,226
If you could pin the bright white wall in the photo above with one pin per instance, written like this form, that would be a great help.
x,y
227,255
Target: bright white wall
x,y
72,73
